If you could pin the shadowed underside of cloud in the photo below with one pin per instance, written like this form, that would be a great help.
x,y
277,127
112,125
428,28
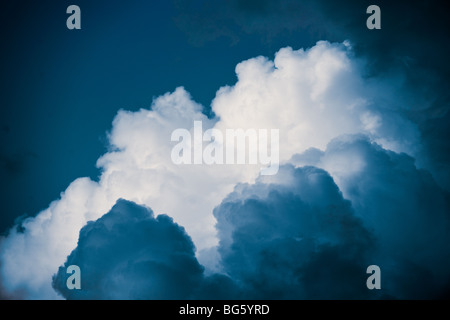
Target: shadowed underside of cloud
x,y
403,206
290,236
296,238
130,254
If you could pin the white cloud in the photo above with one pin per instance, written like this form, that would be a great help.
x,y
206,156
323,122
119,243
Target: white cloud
x,y
311,96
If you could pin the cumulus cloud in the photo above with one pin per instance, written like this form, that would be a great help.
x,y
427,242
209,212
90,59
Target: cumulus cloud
x,y
29,253
410,52
130,254
137,168
294,238
403,206
311,96
289,236
279,238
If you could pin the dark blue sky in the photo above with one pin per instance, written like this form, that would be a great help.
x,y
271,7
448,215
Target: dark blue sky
x,y
61,88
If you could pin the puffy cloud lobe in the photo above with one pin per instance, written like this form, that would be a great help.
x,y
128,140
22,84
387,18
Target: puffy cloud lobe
x,y
406,57
313,96
130,254
279,238
30,251
408,213
295,238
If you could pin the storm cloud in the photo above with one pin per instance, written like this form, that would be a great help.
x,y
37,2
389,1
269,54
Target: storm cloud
x,y
401,204
293,238
289,236
130,254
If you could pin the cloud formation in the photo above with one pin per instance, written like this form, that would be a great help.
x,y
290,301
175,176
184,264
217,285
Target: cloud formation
x,y
293,237
403,206
289,236
130,254
312,96
410,51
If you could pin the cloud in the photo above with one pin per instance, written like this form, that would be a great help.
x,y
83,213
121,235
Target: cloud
x,y
288,236
311,96
130,254
410,51
293,238
278,239
403,206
